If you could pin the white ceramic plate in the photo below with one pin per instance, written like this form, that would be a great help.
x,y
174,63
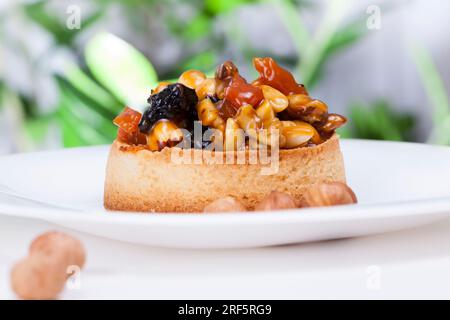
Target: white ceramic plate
x,y
399,185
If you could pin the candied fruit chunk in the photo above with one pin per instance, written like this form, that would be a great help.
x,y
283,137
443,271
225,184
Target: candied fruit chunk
x,y
239,92
128,122
234,90
271,74
135,139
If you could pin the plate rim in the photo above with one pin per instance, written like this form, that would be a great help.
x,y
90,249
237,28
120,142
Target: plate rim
x,y
359,212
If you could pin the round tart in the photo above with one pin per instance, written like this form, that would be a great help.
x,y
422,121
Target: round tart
x,y
266,135
148,181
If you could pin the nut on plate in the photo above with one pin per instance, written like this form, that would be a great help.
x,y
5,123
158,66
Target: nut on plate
x,y
276,200
227,204
328,194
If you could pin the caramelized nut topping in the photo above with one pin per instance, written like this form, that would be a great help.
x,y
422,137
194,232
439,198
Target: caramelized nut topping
x,y
273,101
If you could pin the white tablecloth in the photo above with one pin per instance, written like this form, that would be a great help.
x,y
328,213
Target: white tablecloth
x,y
407,264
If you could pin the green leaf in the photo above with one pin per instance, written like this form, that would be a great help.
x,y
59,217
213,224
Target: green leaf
x,y
85,100
86,125
121,68
85,86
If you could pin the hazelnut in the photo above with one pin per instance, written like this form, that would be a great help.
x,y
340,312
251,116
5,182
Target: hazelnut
x,y
328,194
37,278
276,200
53,244
43,274
227,204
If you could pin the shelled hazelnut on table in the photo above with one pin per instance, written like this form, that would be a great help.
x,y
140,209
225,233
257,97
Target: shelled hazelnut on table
x,y
43,273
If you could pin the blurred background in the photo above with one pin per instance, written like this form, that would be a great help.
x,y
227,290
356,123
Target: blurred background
x,y
68,67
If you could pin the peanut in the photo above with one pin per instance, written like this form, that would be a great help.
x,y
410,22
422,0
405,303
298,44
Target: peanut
x,y
192,78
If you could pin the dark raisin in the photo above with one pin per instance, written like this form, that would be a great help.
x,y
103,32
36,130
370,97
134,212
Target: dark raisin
x,y
176,103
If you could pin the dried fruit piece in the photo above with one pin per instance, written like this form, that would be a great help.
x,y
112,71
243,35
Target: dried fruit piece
x,y
234,89
239,92
137,139
271,74
128,122
176,103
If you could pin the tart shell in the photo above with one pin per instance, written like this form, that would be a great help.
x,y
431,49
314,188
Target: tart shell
x,y
140,180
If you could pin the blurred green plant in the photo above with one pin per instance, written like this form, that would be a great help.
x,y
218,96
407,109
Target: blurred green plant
x,y
90,100
378,121
39,13
95,89
331,36
435,89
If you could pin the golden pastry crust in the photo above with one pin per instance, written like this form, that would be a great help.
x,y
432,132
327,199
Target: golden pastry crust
x,y
140,180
